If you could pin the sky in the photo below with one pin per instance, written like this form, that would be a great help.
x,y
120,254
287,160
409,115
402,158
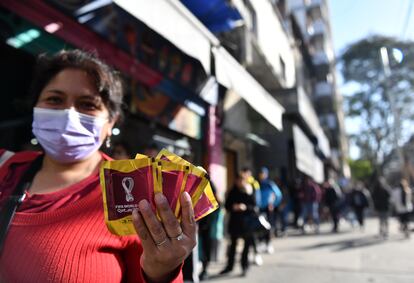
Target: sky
x,y
352,20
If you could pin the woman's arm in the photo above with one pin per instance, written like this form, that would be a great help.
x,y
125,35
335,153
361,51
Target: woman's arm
x,y
166,243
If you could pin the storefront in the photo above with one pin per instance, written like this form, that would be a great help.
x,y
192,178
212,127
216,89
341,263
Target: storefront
x,y
162,83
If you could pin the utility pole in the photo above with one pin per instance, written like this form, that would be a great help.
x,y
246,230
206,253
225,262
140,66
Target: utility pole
x,y
395,113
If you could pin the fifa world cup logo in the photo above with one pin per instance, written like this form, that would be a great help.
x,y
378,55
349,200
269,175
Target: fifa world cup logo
x,y
128,185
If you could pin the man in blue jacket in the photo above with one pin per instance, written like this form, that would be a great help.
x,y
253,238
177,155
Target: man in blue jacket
x,y
270,198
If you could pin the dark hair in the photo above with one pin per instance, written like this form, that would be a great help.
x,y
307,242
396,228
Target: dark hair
x,y
107,81
246,169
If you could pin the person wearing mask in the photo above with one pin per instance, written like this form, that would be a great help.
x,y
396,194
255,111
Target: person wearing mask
x,y
240,204
270,197
52,215
312,195
360,202
403,203
381,197
332,198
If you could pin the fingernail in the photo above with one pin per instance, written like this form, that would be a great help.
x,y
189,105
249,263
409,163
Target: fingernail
x,y
143,204
187,196
159,198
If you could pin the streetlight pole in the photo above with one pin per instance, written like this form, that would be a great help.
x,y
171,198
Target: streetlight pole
x,y
395,113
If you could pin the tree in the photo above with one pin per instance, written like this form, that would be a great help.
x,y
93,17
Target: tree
x,y
360,169
382,100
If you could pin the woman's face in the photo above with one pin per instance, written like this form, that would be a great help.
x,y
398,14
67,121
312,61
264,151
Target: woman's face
x,y
73,88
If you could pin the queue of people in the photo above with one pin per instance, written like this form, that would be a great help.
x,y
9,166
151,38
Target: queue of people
x,y
302,207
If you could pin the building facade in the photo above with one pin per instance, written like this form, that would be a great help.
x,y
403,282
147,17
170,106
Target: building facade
x,y
312,20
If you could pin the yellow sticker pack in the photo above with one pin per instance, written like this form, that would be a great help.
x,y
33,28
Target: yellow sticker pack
x,y
126,182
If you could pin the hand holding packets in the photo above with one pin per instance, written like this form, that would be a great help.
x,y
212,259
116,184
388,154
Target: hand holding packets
x,y
126,182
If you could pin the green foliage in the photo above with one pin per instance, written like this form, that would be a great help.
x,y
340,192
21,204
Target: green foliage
x,y
377,94
361,169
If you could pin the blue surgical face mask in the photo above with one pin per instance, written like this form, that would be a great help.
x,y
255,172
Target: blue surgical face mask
x,y
66,135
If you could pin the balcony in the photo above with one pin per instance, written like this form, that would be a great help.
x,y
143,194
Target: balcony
x,y
328,121
320,58
317,28
297,104
317,9
323,89
313,3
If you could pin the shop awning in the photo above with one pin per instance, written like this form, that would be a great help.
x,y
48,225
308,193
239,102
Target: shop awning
x,y
232,75
306,159
173,21
176,23
216,15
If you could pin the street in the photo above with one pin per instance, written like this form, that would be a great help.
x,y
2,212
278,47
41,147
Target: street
x,y
349,256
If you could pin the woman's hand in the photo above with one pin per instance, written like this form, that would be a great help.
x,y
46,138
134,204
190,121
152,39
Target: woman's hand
x,y
239,207
166,243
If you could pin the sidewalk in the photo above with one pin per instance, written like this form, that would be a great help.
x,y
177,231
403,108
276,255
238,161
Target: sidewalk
x,y
349,256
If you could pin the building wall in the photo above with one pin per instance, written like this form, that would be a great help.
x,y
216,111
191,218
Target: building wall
x,y
313,19
262,20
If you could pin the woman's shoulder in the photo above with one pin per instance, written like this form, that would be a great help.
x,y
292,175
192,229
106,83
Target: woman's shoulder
x,y
7,156
23,157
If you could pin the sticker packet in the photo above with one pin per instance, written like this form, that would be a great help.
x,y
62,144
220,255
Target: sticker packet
x,y
124,184
206,204
197,185
173,180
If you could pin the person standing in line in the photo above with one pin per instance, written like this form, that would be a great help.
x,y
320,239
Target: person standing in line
x,y
381,197
240,203
402,201
206,226
282,209
360,202
248,177
332,199
270,197
297,201
312,195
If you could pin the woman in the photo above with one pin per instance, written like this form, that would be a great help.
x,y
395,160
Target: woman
x,y
402,200
381,197
360,202
240,203
58,232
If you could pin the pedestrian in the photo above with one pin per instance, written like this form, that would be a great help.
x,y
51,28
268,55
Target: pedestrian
x,y
402,200
205,240
297,201
249,178
58,232
360,199
270,198
332,199
282,210
240,204
311,198
381,197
